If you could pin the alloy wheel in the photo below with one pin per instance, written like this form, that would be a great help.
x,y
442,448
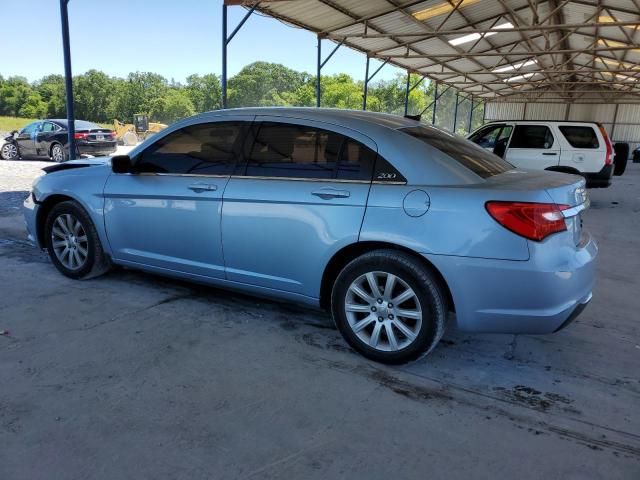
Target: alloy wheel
x,y
57,153
383,311
9,151
69,241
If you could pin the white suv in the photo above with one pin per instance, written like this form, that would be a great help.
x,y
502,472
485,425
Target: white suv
x,y
581,148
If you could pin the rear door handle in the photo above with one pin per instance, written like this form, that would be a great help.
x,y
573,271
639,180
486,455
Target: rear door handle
x,y
202,187
549,153
329,193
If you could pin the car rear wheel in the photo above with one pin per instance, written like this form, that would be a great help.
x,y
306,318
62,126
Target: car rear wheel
x,y
9,151
73,243
389,307
57,153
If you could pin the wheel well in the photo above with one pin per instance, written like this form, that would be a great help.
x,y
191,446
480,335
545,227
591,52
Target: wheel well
x,y
43,213
562,169
350,252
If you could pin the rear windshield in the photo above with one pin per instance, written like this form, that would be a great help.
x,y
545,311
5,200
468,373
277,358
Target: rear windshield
x,y
84,125
580,136
465,152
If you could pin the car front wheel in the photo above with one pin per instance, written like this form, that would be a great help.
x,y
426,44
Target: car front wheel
x,y
73,243
389,306
9,152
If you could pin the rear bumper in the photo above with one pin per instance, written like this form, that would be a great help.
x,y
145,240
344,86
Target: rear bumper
x,y
541,295
601,178
97,149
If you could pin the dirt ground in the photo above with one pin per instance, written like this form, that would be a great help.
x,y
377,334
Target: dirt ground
x,y
137,376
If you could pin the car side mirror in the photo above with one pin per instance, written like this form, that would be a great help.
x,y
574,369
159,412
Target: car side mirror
x,y
121,164
13,132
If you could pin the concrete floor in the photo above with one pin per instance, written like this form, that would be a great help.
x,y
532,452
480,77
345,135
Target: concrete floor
x,y
136,376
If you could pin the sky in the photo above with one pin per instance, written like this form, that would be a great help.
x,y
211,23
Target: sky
x,y
174,38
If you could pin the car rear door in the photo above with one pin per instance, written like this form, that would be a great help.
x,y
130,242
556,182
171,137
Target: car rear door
x,y
533,146
585,148
44,137
300,197
167,213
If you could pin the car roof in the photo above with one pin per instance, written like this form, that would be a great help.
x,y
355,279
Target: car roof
x,y
489,122
357,119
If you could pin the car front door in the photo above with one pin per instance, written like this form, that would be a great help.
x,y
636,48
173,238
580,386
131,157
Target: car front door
x,y
166,213
493,138
300,196
533,146
26,139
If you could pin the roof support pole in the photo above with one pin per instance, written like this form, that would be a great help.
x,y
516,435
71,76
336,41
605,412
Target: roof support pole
x,y
406,94
68,79
225,42
470,116
366,85
455,113
223,80
368,78
321,63
435,104
318,69
484,111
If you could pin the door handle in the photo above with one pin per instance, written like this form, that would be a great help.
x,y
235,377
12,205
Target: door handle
x,y
329,193
549,153
203,187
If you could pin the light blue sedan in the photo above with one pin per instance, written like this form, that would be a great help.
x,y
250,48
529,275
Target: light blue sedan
x,y
393,226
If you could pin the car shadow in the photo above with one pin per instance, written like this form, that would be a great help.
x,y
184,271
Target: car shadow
x,y
11,202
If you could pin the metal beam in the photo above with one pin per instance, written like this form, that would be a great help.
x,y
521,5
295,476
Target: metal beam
x,y
68,78
322,63
368,78
225,42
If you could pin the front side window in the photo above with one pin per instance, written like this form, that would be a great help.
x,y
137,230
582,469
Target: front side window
x,y
532,136
465,152
487,137
203,149
299,151
31,128
580,136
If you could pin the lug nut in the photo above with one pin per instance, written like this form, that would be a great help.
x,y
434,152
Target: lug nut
x,y
373,309
390,305
380,319
390,317
379,300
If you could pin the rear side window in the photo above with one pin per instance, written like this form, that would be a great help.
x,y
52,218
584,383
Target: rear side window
x,y
580,136
299,151
203,149
476,159
531,136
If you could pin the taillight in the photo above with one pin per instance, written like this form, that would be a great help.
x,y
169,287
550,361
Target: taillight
x,y
535,221
80,136
609,157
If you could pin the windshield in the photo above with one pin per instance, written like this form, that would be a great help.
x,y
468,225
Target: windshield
x,y
476,159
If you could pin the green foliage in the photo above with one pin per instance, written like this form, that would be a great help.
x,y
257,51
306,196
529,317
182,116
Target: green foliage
x,y
101,98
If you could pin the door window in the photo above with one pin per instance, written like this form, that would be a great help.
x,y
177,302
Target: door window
x,y
532,136
203,149
299,151
48,127
487,137
31,128
579,136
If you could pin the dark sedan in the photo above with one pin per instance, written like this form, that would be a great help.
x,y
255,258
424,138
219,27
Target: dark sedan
x,y
48,138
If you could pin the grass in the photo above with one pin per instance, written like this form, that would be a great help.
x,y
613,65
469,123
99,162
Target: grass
x,y
7,124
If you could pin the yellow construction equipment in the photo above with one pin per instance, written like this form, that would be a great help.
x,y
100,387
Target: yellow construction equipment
x,y
141,128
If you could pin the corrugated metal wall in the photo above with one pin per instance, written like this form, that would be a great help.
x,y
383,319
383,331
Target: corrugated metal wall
x,y
622,121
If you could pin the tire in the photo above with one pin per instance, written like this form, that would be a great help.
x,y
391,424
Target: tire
x,y
620,159
427,301
95,262
58,153
9,151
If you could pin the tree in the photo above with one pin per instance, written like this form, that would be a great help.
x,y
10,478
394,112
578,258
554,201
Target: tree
x,y
14,92
204,92
263,83
141,92
51,89
91,93
174,105
33,106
